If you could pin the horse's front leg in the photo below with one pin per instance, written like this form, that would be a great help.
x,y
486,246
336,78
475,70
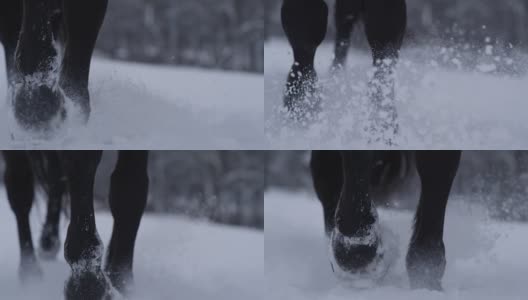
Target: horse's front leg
x,y
128,197
19,184
83,248
37,101
304,22
10,23
327,176
55,187
342,182
347,13
385,23
83,20
426,257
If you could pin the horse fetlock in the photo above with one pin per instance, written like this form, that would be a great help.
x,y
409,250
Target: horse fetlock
x,y
426,265
83,250
304,23
302,95
49,243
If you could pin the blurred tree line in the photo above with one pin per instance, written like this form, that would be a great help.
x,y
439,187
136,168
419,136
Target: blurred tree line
x,y
224,34
497,180
220,186
458,21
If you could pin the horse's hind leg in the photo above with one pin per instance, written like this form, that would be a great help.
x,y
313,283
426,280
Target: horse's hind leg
x,y
82,20
37,101
385,22
304,22
355,238
347,13
83,248
55,188
10,22
18,180
327,176
128,197
426,256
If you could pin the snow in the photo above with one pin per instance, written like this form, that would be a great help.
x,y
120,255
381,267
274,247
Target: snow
x,y
141,106
175,258
439,107
485,259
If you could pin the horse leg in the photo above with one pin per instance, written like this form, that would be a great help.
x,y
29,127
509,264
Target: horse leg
x,y
37,101
327,179
355,238
82,20
346,14
55,188
385,22
18,180
128,197
426,256
304,22
83,249
10,22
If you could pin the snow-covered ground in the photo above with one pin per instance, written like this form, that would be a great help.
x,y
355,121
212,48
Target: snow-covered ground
x,y
145,106
485,259
175,258
438,107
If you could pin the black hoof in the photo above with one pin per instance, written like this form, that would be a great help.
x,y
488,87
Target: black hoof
x,y
354,254
38,107
426,266
49,245
87,286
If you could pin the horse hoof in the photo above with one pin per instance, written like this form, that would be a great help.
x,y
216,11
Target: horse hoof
x,y
88,285
39,108
426,266
363,261
29,272
122,281
353,254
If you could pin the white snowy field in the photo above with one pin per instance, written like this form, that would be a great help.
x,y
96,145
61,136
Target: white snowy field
x,y
143,106
485,259
438,107
175,258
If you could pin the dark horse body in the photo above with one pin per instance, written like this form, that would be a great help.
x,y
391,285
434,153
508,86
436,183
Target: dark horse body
x,y
305,22
33,32
342,181
74,172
